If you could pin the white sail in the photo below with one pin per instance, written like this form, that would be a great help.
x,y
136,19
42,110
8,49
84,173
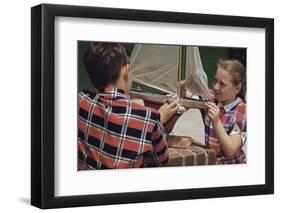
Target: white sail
x,y
196,78
156,66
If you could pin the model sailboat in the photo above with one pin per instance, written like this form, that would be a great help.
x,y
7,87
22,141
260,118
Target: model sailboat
x,y
163,72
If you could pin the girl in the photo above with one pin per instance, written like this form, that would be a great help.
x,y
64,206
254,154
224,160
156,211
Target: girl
x,y
225,118
225,122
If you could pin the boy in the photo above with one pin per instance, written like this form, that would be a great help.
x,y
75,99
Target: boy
x,y
114,131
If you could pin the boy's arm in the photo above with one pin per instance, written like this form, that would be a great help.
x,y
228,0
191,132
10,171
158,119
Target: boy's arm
x,y
159,155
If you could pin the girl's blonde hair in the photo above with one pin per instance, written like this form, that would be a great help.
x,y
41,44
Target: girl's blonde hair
x,y
238,72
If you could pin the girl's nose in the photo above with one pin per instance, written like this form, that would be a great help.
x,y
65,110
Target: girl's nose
x,y
216,86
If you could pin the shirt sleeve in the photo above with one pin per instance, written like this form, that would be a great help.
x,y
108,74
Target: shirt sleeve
x,y
159,155
240,128
236,130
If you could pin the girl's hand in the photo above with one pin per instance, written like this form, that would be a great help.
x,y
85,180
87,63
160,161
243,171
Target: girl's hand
x,y
213,112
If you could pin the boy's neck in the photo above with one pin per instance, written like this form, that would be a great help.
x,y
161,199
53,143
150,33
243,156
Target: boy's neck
x,y
119,86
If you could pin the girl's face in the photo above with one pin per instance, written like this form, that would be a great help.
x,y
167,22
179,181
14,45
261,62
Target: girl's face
x,y
225,91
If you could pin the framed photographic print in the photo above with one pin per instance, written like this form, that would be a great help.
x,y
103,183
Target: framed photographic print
x,y
186,101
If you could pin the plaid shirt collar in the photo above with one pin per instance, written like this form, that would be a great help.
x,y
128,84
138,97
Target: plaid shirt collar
x,y
230,106
113,93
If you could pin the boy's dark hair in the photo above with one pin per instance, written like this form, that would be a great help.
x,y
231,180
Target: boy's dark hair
x,y
103,62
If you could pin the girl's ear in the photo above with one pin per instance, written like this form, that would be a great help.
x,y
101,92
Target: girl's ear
x,y
238,88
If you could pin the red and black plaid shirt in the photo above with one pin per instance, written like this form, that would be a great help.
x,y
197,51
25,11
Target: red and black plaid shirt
x,y
114,132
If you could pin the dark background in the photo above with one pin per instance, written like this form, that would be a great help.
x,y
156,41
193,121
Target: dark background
x,y
209,57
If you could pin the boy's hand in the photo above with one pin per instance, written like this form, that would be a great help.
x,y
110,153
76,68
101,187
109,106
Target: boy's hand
x,y
213,112
167,111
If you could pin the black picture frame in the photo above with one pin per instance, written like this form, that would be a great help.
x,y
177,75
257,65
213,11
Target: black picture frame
x,y
43,105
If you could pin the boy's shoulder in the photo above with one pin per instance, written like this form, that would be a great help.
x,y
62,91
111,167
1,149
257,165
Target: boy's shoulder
x,y
88,93
144,111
